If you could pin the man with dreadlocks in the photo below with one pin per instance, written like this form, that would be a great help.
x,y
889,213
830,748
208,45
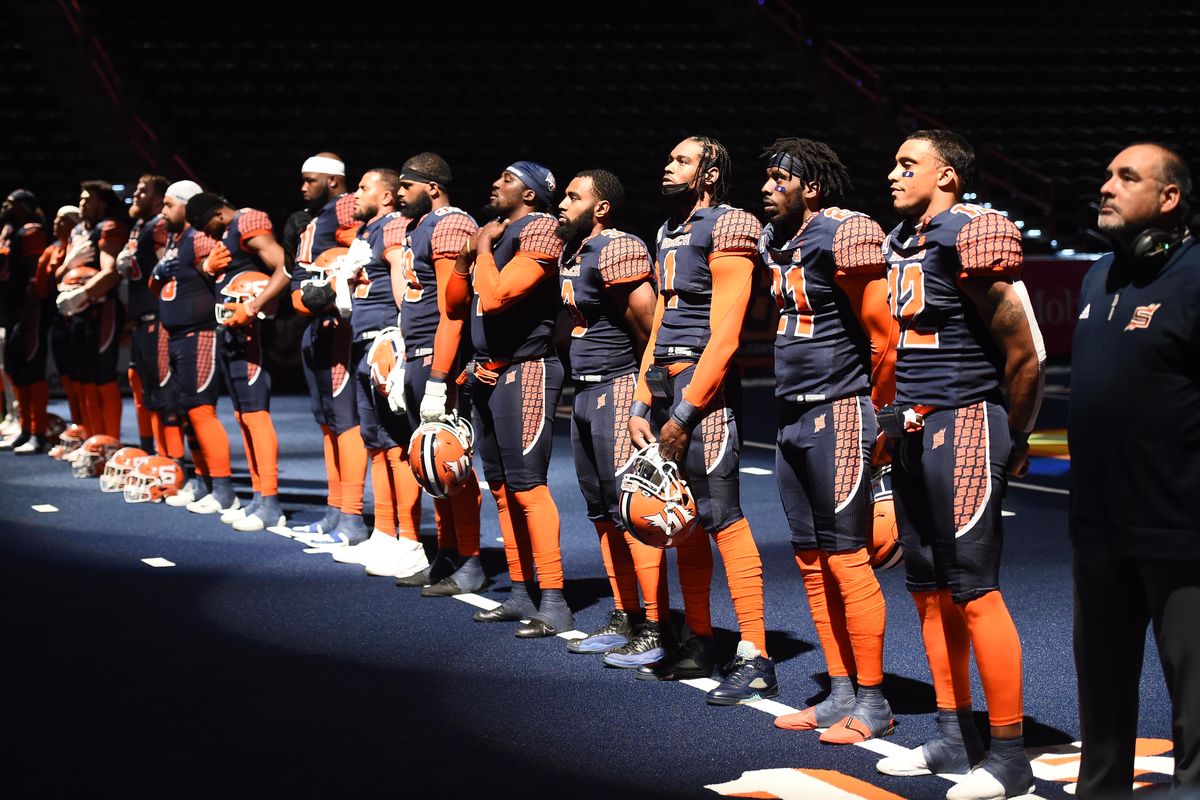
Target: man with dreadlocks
x,y
834,343
707,255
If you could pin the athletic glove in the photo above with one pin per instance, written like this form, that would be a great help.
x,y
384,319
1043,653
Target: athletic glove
x,y
165,270
125,263
217,260
316,295
433,404
72,301
395,390
239,317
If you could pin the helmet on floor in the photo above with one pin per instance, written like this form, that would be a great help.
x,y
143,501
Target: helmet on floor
x,y
154,478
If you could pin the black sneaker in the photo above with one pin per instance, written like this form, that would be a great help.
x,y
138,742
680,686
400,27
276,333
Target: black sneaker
x,y
613,633
695,658
645,647
750,677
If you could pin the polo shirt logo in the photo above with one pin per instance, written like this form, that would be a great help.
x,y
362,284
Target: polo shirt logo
x,y
1086,311
1142,316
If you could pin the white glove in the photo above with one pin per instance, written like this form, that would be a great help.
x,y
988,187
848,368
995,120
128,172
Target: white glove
x,y
341,297
433,404
360,253
395,390
125,263
73,301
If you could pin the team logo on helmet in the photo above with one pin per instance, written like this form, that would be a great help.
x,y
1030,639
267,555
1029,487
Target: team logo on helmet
x,y
119,468
440,455
884,546
240,288
656,504
386,357
154,478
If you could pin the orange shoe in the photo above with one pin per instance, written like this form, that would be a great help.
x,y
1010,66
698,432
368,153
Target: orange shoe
x,y
852,730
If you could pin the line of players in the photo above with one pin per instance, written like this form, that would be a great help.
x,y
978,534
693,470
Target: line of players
x,y
909,363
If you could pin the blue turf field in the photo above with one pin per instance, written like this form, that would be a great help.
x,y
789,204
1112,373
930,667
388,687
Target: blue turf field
x,y
251,667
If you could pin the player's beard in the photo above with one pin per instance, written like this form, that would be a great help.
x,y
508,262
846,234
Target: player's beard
x,y
317,203
367,214
573,231
492,211
135,211
417,208
175,227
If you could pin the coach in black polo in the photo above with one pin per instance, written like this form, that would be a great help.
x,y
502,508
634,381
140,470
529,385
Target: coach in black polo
x,y
1135,469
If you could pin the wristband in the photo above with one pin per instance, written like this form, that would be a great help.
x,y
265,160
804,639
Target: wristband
x,y
686,415
639,409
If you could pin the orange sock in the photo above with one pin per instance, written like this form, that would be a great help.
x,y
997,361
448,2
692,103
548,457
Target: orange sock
x,y
23,415
998,657
466,502
541,515
266,450
333,475
618,565
743,572
352,465
111,406
865,611
649,567
214,442
515,533
39,401
407,493
695,562
93,411
828,613
947,646
144,415
248,447
71,388
381,487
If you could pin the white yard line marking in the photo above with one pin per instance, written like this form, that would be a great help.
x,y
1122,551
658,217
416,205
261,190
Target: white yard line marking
x,y
759,445
479,601
1033,487
755,471
1007,513
280,530
44,508
158,562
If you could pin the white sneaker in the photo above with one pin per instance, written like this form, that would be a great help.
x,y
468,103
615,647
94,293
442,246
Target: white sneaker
x,y
360,553
35,445
209,504
982,785
183,497
233,514
253,522
397,558
911,762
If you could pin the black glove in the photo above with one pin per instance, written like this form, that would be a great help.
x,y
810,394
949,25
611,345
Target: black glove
x,y
316,297
165,270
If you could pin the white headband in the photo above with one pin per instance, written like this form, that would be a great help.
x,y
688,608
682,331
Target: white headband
x,y
184,190
65,210
323,165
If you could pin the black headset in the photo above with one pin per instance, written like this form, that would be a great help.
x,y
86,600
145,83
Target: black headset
x,y
1153,244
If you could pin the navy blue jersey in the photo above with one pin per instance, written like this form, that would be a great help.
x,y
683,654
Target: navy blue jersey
x,y
20,249
600,343
187,300
146,239
439,234
333,226
524,330
685,277
946,356
1134,417
373,302
100,235
821,350
245,225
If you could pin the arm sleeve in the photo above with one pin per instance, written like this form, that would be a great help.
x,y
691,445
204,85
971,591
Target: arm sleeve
x,y
869,299
624,260
499,291
641,394
989,246
449,330
732,279
458,295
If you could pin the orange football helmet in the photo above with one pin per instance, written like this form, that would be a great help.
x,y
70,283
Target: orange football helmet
x,y
70,440
55,425
440,454
386,359
89,460
656,504
76,276
240,288
154,478
884,546
119,467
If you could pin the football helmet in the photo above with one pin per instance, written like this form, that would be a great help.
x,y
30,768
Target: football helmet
x,y
386,359
119,467
89,460
439,453
70,440
656,504
76,276
240,288
884,546
154,478
55,425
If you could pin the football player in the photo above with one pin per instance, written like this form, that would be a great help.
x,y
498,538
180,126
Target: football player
x,y
186,298
325,352
606,280
707,255
24,321
505,280
829,280
967,391
96,314
147,243
246,244
49,271
432,343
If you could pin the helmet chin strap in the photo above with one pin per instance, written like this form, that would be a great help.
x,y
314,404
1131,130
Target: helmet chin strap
x,y
675,189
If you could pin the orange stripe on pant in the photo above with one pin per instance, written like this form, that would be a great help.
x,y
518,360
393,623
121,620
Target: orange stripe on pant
x,y
214,442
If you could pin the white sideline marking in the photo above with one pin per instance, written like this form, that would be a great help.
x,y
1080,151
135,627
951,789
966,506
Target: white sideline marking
x,y
158,562
315,550
759,445
1007,513
282,530
479,601
1033,487
755,471
44,508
